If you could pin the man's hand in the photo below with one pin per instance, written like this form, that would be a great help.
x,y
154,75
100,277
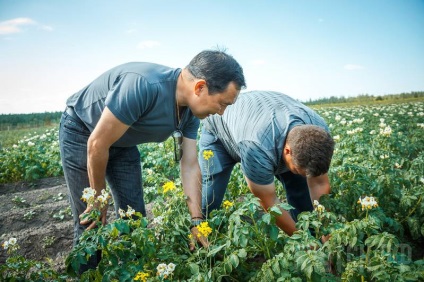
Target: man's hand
x,y
93,224
268,196
195,238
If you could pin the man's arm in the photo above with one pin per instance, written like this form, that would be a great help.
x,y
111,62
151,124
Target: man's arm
x,y
191,177
318,186
192,184
107,131
268,196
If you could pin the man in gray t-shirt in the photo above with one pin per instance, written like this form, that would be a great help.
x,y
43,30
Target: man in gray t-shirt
x,y
271,135
136,103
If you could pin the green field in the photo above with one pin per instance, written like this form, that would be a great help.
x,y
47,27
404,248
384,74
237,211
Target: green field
x,y
379,153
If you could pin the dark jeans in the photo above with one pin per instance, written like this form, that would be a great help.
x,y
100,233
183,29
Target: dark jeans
x,y
123,173
216,174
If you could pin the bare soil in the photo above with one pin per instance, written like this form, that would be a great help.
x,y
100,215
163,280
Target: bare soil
x,y
38,216
40,236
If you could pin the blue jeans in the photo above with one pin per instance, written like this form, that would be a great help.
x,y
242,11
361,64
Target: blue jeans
x,y
123,172
216,174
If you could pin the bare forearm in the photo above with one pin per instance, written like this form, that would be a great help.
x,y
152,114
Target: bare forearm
x,y
191,179
96,165
286,223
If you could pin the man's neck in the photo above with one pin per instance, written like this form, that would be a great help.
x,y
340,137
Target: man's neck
x,y
184,83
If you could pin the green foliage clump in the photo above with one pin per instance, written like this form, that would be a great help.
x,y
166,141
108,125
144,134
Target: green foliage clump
x,y
33,157
379,154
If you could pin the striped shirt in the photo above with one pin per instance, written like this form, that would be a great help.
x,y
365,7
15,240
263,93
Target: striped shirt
x,y
254,129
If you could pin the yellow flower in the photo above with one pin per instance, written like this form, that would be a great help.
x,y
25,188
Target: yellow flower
x,y
207,154
227,204
204,229
141,276
168,186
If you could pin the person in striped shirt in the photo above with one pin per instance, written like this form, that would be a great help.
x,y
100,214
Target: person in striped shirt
x,y
272,136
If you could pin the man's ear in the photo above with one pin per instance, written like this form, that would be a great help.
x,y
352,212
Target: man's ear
x,y
287,150
200,85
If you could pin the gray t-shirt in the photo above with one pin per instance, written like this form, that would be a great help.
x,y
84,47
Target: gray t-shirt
x,y
141,95
253,131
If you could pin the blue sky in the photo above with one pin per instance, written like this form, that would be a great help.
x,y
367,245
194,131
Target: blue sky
x,y
50,49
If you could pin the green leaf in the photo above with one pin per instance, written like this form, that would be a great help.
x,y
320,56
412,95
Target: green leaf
x,y
266,218
243,241
228,267
274,210
242,253
274,232
215,250
122,226
354,241
194,268
114,233
305,263
234,260
309,270
286,206
381,242
276,267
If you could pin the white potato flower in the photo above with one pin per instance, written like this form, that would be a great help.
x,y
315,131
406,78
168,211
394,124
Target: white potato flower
x,y
367,203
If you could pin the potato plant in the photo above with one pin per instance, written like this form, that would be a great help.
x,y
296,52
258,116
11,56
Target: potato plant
x,y
372,222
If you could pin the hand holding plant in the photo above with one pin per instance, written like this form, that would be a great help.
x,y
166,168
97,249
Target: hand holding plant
x,y
200,234
96,207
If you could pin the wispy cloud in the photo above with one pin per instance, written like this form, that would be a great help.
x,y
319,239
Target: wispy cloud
x,y
148,44
353,67
16,25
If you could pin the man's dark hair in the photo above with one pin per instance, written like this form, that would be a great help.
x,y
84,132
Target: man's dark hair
x,y
312,149
218,69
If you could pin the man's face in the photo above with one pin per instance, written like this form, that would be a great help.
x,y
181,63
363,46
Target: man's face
x,y
206,104
288,160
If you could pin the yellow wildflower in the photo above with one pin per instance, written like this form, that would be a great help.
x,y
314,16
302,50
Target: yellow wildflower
x,y
204,229
207,154
168,186
141,276
227,204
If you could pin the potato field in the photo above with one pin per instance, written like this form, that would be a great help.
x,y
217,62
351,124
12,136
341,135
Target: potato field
x,y
374,216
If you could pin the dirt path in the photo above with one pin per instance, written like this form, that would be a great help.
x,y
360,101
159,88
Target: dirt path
x,y
38,217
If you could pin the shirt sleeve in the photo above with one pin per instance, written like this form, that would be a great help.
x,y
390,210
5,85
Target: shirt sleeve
x,y
129,98
190,130
256,164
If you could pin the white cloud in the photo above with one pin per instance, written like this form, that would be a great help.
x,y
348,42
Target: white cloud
x,y
353,67
148,44
14,25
